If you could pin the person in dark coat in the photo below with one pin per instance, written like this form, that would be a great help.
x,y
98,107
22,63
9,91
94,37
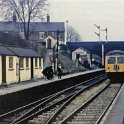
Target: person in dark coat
x,y
50,73
45,71
59,70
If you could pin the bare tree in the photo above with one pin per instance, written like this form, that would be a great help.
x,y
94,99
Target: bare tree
x,y
72,34
25,10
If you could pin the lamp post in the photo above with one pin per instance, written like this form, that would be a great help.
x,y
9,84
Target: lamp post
x,y
57,47
103,46
67,31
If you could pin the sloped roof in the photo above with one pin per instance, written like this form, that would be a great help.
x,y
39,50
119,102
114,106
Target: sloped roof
x,y
116,52
24,52
34,26
47,26
8,26
6,51
81,49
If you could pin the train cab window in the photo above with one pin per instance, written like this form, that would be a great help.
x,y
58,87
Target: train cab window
x,y
111,60
120,60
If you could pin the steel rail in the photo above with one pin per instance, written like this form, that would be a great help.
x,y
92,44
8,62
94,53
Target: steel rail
x,y
64,121
72,98
24,120
82,106
41,102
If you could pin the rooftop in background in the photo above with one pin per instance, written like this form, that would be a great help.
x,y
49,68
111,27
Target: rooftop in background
x,y
37,26
95,47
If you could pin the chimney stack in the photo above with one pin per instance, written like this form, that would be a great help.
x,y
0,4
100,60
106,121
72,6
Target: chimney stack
x,y
48,18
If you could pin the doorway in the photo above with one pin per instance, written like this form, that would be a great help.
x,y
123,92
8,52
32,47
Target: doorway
x,y
3,69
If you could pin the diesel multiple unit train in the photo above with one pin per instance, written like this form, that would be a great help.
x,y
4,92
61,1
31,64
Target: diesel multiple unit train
x,y
114,65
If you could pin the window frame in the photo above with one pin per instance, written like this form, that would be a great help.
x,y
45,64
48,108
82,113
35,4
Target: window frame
x,y
10,62
36,63
21,63
27,62
111,58
40,65
121,61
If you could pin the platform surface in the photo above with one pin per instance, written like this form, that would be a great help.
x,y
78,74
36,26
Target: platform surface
x,y
11,88
115,115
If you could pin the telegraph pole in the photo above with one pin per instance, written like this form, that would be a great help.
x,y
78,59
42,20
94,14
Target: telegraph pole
x,y
98,34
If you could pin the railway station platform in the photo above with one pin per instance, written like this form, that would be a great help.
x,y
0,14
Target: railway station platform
x,y
115,114
11,88
15,95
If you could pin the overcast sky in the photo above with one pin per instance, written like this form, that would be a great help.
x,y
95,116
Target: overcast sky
x,y
83,14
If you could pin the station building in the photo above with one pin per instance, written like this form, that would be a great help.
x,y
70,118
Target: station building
x,y
81,55
19,64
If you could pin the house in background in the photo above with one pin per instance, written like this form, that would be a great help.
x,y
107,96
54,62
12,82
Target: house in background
x,y
38,30
81,55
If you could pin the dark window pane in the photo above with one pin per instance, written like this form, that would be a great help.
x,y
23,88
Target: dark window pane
x,y
35,62
27,62
10,62
21,63
111,60
120,60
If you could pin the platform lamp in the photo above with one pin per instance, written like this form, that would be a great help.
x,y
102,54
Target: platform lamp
x,y
57,48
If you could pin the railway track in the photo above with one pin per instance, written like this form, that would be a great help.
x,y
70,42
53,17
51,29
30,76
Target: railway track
x,y
69,106
93,110
50,104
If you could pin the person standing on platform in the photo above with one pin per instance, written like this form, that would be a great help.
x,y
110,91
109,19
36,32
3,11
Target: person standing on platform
x,y
59,70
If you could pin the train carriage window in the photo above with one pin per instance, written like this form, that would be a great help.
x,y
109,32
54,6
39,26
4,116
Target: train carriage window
x,y
111,60
120,60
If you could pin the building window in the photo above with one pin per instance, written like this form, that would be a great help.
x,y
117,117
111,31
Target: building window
x,y
10,62
27,62
22,35
21,63
39,62
41,35
49,44
35,62
45,34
